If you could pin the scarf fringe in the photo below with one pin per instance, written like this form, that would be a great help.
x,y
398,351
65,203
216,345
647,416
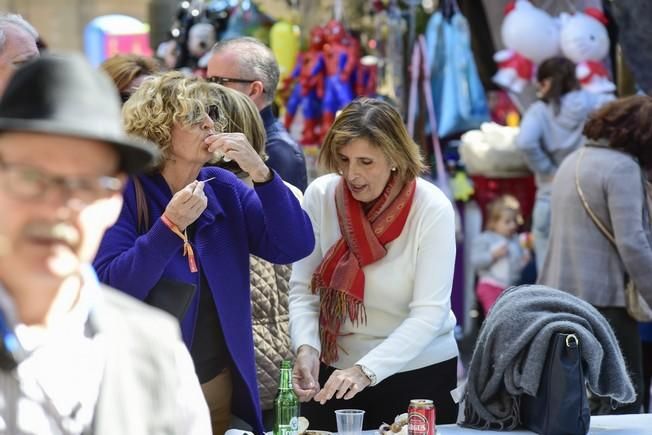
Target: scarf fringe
x,y
339,305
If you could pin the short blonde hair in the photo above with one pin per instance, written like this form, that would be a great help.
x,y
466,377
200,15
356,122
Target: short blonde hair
x,y
500,205
124,68
380,124
165,100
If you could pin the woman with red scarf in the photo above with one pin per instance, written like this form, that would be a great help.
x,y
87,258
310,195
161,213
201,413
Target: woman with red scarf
x,y
372,301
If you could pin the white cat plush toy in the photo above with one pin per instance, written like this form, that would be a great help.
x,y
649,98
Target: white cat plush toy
x,y
530,36
585,41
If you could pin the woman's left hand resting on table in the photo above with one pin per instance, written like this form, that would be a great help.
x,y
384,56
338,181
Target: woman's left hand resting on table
x,y
343,384
235,146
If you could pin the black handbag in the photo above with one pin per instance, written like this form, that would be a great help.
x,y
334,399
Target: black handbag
x,y
171,296
561,405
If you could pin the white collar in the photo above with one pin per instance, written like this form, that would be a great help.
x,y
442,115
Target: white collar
x,y
74,323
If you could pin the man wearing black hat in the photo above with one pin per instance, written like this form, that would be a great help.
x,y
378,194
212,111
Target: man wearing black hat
x,y
76,356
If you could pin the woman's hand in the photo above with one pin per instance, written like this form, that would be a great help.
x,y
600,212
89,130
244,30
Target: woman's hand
x,y
343,384
187,205
305,375
236,147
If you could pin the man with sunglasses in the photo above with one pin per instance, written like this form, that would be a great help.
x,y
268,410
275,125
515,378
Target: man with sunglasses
x,y
17,45
77,357
247,65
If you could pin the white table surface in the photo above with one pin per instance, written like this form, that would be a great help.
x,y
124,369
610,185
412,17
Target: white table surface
x,y
631,424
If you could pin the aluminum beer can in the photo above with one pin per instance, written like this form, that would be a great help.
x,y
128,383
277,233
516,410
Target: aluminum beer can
x,y
421,417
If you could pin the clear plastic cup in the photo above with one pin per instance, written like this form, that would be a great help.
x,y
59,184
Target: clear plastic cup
x,y
349,421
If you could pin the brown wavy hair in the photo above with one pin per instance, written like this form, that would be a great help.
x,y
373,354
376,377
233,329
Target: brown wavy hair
x,y
625,125
124,68
380,124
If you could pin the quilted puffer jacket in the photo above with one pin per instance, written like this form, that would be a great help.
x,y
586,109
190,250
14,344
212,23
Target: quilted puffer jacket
x,y
270,318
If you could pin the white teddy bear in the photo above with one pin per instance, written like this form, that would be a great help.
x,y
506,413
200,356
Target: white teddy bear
x,y
531,35
585,41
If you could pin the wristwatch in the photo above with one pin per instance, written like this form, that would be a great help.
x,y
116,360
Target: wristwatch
x,y
368,373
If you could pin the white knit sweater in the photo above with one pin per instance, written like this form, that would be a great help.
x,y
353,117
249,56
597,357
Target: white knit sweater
x,y
407,293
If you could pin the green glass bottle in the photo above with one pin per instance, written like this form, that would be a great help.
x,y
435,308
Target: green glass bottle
x,y
286,404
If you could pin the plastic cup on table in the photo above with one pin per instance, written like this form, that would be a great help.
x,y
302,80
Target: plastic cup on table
x,y
349,421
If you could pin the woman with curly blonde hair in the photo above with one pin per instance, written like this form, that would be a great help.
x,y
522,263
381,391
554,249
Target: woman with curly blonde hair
x,y
202,225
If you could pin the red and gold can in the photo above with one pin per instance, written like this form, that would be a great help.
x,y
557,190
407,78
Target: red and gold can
x,y
421,417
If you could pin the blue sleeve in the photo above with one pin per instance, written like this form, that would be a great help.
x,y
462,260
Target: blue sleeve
x,y
481,257
287,160
279,230
530,142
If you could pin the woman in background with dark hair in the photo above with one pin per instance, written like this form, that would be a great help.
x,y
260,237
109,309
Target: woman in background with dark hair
x,y
550,130
607,173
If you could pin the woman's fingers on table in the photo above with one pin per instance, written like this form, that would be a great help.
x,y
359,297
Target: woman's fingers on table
x,y
343,384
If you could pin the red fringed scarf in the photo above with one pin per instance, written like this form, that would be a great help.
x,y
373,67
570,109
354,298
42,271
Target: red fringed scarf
x,y
339,279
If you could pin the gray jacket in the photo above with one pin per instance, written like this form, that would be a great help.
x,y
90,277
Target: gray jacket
x,y
511,350
546,137
144,389
580,259
506,270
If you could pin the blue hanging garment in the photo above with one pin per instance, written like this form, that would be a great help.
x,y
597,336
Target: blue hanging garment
x,y
459,98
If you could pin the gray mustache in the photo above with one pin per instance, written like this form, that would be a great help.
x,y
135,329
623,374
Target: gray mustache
x,y
60,232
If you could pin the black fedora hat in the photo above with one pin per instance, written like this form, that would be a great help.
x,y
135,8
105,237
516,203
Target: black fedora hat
x,y
64,95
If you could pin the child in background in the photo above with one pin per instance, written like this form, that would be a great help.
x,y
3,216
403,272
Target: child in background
x,y
497,254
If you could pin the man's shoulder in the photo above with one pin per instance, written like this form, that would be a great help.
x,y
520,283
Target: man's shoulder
x,y
277,135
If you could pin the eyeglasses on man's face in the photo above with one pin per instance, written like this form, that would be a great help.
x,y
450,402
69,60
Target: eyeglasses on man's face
x,y
31,183
224,81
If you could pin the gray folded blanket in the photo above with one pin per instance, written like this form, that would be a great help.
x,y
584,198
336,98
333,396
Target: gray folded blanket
x,y
511,348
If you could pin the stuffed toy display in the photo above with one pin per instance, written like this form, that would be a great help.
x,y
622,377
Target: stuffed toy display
x,y
585,41
308,90
326,77
200,23
201,38
341,53
531,35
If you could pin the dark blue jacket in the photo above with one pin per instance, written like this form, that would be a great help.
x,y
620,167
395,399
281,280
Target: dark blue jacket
x,y
285,155
266,221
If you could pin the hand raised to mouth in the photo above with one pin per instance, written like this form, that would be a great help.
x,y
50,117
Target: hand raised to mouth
x,y
236,147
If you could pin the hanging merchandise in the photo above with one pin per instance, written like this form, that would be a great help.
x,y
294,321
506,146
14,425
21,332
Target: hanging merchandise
x,y
307,84
585,41
341,53
419,66
247,20
201,38
531,35
458,96
393,80
197,26
284,40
